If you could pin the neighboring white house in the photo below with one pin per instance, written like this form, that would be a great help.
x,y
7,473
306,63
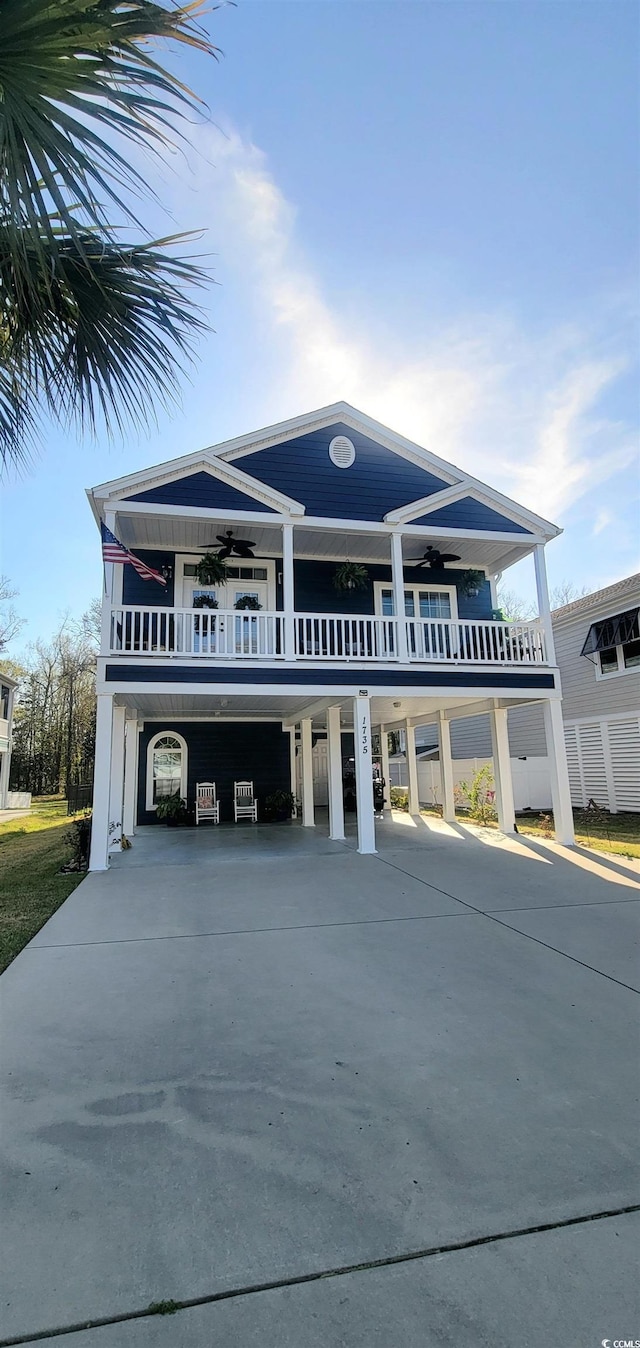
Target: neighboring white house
x,y
7,693
209,677
597,643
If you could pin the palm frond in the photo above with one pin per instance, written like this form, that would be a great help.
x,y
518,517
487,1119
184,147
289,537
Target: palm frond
x,y
101,332
73,73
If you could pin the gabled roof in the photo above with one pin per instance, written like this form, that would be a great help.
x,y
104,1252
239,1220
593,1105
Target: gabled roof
x,y
231,462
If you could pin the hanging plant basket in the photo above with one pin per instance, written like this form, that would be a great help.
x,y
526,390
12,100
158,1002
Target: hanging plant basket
x,y
211,570
470,582
351,576
248,601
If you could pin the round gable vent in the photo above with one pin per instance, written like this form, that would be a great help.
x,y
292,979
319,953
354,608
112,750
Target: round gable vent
x,y
342,452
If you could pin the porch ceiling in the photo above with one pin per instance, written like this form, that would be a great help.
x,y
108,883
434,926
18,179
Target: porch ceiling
x,y
193,535
384,710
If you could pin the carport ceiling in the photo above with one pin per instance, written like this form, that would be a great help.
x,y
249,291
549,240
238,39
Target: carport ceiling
x,y
384,710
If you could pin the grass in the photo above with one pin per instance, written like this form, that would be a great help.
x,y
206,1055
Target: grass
x,y
618,834
32,850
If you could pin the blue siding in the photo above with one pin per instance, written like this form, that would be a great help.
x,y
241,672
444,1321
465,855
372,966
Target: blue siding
x,y
351,676
471,514
379,480
201,489
149,593
316,593
225,752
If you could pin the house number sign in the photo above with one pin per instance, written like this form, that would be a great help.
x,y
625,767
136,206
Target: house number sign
x,y
364,735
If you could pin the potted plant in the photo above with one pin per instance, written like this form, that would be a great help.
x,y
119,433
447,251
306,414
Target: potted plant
x,y
469,582
351,576
205,601
173,809
279,806
211,569
248,601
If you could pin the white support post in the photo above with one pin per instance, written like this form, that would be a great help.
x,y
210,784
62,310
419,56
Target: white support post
x,y
544,607
502,770
116,791
288,592
364,775
560,790
412,768
446,769
336,798
386,769
293,770
308,812
5,767
108,593
99,858
131,742
397,573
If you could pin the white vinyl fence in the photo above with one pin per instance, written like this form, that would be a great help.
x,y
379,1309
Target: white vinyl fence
x,y
531,779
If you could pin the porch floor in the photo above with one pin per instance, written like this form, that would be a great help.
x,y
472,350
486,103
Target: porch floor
x,y
248,1056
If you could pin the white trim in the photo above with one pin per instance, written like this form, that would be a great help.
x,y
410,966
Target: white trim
x,y
483,495
226,473
596,716
380,585
150,804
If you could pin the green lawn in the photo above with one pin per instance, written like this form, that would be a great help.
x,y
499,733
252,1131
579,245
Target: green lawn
x,y
32,850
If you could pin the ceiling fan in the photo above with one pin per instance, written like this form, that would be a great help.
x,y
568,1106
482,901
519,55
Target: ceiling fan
x,y
234,547
434,557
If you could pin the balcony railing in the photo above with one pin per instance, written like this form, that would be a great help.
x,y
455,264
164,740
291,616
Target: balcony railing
x,y
217,634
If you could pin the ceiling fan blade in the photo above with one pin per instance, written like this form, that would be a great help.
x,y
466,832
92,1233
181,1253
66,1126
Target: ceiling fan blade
x,y
449,557
225,552
222,538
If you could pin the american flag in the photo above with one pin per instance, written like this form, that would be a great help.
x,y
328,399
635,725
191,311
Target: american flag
x,y
113,551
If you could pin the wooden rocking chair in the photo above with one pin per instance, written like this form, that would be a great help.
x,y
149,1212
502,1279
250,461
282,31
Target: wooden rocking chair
x,y
245,805
207,803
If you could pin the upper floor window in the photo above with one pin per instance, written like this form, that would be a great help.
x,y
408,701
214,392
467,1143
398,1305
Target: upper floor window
x,y
613,644
4,702
419,602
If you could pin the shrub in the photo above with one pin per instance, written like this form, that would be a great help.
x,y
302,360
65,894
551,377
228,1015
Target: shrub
x,y
399,797
478,796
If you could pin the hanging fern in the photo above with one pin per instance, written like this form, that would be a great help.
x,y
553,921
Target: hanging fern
x,y
351,576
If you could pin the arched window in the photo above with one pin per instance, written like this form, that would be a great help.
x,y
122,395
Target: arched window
x,y
166,767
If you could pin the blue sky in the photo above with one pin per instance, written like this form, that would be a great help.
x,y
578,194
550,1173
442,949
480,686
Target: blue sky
x,y
430,210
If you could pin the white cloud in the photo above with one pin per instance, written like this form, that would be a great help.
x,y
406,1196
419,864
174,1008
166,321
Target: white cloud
x,y
519,412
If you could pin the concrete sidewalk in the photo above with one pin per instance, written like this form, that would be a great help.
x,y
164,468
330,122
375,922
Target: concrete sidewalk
x,y
265,1064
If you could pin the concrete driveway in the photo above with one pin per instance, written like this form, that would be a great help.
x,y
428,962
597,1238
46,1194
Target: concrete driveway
x,y
252,1070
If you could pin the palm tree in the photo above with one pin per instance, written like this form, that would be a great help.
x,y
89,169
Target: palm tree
x,y
92,327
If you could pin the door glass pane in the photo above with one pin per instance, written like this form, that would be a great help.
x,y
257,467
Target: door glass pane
x,y
167,765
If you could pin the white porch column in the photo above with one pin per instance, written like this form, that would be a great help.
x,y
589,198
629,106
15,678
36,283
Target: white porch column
x,y
397,573
502,770
560,791
131,743
108,596
446,768
308,812
293,769
288,592
5,767
99,857
412,768
336,798
116,790
386,769
544,607
364,775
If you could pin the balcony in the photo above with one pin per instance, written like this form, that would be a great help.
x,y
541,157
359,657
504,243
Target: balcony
x,y
232,635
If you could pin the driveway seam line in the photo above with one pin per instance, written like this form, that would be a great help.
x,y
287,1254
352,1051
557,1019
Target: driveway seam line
x,y
507,926
319,926
297,1280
